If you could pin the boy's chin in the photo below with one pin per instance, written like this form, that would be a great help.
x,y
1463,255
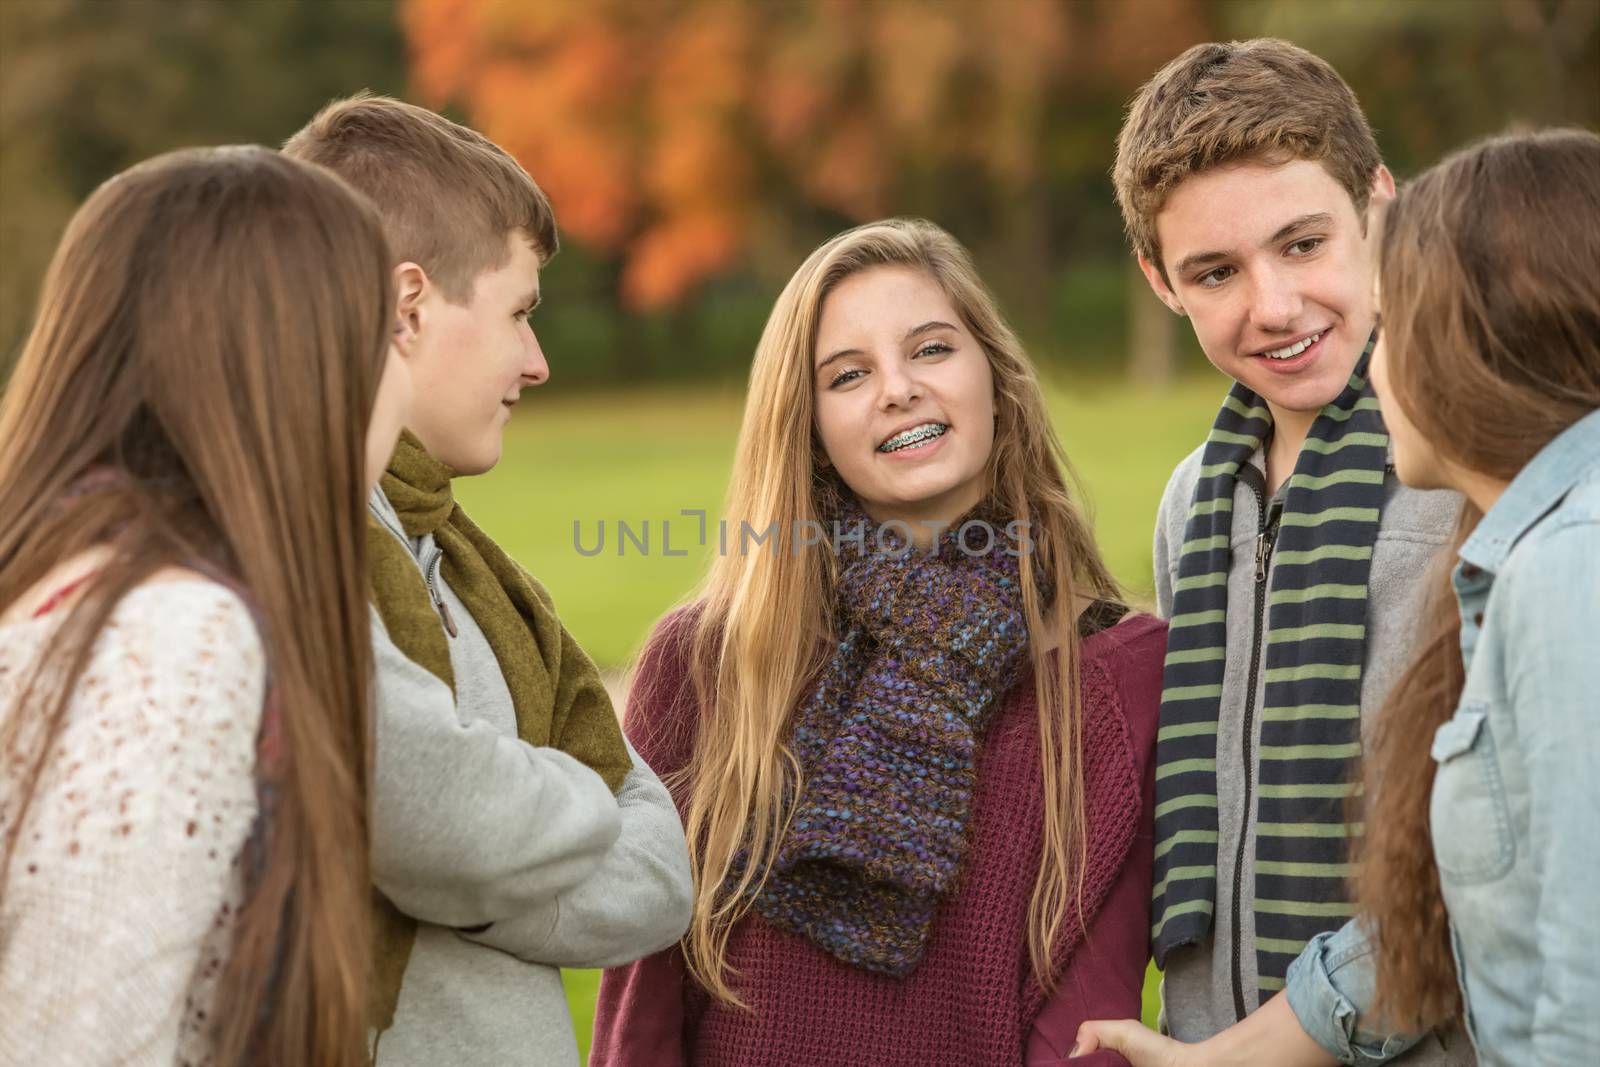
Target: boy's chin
x,y
478,458
1307,399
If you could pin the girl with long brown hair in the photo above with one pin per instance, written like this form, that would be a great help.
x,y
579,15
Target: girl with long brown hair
x,y
907,719
186,448
1476,880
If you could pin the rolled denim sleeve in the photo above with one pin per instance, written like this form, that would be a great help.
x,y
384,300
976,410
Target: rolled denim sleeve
x,y
1330,987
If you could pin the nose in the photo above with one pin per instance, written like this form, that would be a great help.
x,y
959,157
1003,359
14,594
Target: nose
x,y
897,384
535,371
1275,303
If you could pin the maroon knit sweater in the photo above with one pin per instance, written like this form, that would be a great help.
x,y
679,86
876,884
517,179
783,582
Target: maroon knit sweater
x,y
972,1000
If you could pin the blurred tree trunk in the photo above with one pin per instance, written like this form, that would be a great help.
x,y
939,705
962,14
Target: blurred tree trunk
x,y
1560,29
1022,256
1152,334
89,88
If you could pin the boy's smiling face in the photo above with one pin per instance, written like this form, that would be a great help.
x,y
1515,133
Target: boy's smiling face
x,y
1275,268
470,362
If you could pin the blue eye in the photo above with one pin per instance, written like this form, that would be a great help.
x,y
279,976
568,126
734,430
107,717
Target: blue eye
x,y
843,377
934,348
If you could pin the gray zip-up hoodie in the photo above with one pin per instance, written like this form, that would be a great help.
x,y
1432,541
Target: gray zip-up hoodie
x,y
1203,983
515,860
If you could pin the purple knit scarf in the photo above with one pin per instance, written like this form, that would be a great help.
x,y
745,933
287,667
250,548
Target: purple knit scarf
x,y
888,740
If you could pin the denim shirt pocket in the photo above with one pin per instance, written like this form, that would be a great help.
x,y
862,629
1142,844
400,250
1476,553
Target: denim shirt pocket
x,y
1471,821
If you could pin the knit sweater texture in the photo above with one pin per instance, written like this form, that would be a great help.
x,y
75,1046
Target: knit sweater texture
x,y
887,741
118,913
972,999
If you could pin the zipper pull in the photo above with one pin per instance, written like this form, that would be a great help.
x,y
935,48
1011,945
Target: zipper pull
x,y
444,613
429,577
1267,538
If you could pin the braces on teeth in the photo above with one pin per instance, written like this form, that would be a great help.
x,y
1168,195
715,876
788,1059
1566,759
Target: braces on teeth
x,y
914,436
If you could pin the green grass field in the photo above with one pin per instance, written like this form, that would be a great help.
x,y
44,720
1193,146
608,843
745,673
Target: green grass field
x,y
644,457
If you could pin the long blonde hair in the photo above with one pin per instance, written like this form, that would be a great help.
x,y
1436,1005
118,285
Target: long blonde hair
x,y
766,618
207,351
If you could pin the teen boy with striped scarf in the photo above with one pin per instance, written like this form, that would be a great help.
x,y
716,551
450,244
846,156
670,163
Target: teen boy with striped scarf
x,y
1288,558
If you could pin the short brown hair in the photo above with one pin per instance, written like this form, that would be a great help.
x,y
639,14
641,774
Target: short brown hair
x,y
1263,99
447,194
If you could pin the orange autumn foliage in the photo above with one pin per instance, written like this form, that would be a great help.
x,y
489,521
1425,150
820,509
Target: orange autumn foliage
x,y
674,135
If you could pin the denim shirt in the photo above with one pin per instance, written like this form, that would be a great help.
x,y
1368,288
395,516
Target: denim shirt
x,y
1515,812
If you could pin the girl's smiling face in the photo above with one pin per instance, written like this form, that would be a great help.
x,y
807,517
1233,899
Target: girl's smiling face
x,y
904,393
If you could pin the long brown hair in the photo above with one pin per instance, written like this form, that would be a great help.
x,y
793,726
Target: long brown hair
x,y
767,620
196,391
1491,320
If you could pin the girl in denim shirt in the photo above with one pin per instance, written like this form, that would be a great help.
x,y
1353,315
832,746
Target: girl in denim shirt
x,y
1488,370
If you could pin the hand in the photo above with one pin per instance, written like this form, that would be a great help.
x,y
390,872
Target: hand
x,y
1142,1047
1271,1034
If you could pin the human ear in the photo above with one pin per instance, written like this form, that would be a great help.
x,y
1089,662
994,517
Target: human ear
x,y
1158,285
1382,187
819,455
1379,197
412,288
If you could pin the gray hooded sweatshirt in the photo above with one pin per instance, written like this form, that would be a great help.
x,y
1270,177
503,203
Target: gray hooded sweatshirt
x,y
1203,982
515,861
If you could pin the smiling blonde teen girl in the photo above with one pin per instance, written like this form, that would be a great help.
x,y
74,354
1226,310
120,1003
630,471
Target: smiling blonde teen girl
x,y
910,735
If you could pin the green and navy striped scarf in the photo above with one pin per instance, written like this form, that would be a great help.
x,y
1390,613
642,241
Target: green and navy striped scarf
x,y
1311,713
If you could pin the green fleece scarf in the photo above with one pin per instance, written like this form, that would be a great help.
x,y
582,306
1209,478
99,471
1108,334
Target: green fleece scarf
x,y
557,692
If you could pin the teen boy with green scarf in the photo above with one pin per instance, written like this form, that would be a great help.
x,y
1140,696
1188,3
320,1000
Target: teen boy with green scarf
x,y
514,831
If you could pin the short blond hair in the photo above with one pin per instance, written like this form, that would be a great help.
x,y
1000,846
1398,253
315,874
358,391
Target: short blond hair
x,y
448,196
1258,100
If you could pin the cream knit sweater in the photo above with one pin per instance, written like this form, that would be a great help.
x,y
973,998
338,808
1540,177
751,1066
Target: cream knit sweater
x,y
116,916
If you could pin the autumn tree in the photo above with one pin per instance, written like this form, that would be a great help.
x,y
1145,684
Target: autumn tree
x,y
696,151
687,139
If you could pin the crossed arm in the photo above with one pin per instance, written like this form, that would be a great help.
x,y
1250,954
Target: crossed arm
x,y
524,846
